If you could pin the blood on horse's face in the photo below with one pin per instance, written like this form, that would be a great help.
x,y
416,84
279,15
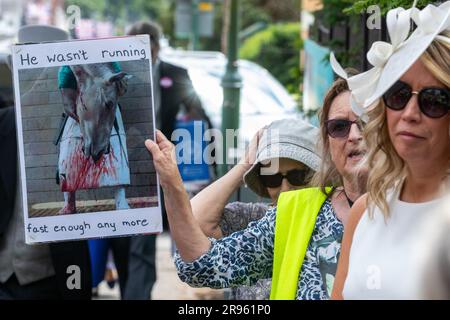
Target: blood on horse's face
x,y
96,109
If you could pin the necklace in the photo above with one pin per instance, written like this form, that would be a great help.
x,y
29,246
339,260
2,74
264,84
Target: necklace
x,y
350,202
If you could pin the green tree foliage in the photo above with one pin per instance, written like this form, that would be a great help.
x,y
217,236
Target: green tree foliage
x,y
121,13
251,12
277,48
336,12
333,11
359,6
269,11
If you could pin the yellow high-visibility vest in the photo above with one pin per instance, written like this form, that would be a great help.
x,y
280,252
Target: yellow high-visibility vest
x,y
295,220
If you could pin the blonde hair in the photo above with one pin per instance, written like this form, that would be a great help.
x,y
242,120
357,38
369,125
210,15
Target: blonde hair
x,y
327,175
387,169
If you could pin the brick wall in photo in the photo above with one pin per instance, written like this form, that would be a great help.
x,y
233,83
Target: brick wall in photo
x,y
41,104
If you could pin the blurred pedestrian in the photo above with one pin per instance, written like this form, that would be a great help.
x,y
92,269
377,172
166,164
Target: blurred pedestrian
x,y
106,253
39,271
3,103
172,93
70,144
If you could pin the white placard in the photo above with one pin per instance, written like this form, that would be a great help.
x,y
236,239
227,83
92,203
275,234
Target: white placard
x,y
74,52
114,183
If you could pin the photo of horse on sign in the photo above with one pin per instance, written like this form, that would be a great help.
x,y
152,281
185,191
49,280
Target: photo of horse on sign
x,y
81,131
93,151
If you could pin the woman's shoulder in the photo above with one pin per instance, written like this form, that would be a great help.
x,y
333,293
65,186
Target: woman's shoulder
x,y
356,212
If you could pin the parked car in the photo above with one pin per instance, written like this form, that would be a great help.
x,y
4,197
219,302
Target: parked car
x,y
263,98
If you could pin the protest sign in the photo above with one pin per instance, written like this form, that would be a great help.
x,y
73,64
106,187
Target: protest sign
x,y
84,109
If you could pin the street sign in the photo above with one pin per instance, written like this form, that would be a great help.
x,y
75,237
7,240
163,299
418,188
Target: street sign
x,y
184,13
205,6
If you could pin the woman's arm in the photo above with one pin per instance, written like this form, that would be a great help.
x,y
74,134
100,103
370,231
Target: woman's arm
x,y
242,258
208,205
189,238
356,213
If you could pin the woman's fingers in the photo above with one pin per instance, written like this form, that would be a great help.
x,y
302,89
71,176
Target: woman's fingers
x,y
152,147
253,147
161,142
164,160
160,137
164,144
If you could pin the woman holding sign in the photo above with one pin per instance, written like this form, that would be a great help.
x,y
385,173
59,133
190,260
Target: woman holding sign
x,y
306,227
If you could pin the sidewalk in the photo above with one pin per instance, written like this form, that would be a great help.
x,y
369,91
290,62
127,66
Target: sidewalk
x,y
168,286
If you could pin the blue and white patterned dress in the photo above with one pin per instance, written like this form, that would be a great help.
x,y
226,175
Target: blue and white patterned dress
x,y
247,256
237,216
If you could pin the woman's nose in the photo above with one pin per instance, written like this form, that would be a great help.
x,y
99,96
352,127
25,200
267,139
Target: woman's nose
x,y
411,112
285,185
355,133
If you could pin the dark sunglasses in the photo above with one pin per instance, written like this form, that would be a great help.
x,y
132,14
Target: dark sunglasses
x,y
340,128
295,177
433,102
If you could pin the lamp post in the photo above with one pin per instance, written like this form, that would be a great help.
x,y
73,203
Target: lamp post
x,y
231,83
194,25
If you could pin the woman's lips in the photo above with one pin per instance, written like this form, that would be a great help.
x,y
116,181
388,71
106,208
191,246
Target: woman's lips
x,y
356,155
409,135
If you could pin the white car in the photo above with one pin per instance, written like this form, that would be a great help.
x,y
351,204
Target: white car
x,y
263,98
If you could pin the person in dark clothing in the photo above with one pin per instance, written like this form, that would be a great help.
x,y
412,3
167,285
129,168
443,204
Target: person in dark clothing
x,y
38,271
42,271
172,91
2,102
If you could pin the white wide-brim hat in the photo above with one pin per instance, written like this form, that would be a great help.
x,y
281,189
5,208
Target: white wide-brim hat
x,y
289,138
392,60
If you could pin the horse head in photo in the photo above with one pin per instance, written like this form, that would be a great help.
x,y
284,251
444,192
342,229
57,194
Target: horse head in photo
x,y
99,89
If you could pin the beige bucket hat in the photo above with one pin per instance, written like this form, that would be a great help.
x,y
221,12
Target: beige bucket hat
x,y
290,138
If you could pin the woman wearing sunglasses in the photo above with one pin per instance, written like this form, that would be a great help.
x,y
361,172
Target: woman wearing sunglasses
x,y
408,137
295,163
298,242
